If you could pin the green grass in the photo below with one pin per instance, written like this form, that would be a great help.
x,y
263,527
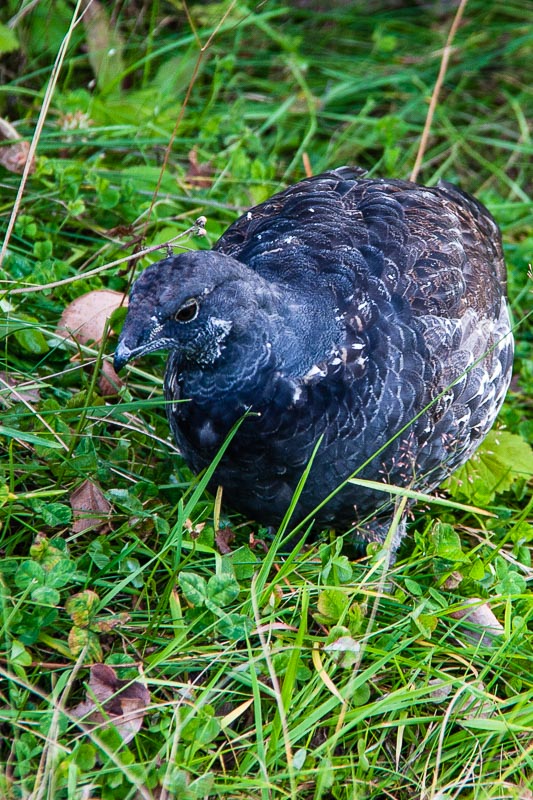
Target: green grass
x,y
269,676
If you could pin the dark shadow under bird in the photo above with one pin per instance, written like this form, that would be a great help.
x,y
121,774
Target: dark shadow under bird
x,y
366,315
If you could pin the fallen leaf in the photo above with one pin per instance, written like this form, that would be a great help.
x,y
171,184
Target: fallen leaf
x,y
17,390
84,320
113,702
478,613
344,650
440,691
89,507
473,702
223,539
255,542
453,580
109,382
13,156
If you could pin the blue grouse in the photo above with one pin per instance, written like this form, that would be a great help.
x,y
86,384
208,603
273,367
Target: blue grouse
x,y
363,320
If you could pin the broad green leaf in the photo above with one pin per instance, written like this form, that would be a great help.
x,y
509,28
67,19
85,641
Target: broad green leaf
x,y
298,759
201,787
509,580
85,756
426,624
43,250
234,626
46,553
332,604
194,588
477,570
29,573
448,543
46,596
108,197
61,574
342,647
5,494
413,587
19,655
202,728
501,460
8,40
222,590
55,514
244,563
30,337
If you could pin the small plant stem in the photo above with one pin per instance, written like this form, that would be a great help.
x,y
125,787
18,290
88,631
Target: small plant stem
x,y
436,89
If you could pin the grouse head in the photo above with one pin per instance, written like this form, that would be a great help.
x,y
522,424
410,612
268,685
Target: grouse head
x,y
206,308
190,304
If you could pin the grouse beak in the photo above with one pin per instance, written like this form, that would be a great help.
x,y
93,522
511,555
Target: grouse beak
x,y
129,346
123,354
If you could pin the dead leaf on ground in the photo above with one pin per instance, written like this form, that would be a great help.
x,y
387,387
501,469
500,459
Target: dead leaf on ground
x,y
90,508
478,613
111,701
84,320
13,156
109,382
223,539
473,701
17,390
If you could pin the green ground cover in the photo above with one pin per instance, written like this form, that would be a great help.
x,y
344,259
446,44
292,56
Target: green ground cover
x,y
235,671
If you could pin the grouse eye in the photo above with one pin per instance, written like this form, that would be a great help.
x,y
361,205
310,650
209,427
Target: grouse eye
x,y
188,311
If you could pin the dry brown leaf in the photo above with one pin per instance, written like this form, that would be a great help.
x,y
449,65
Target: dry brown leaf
x,y
119,703
90,508
13,156
453,580
109,382
17,390
223,539
84,320
478,613
473,702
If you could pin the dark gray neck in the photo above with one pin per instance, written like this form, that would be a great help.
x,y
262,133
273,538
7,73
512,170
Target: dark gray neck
x,y
283,334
